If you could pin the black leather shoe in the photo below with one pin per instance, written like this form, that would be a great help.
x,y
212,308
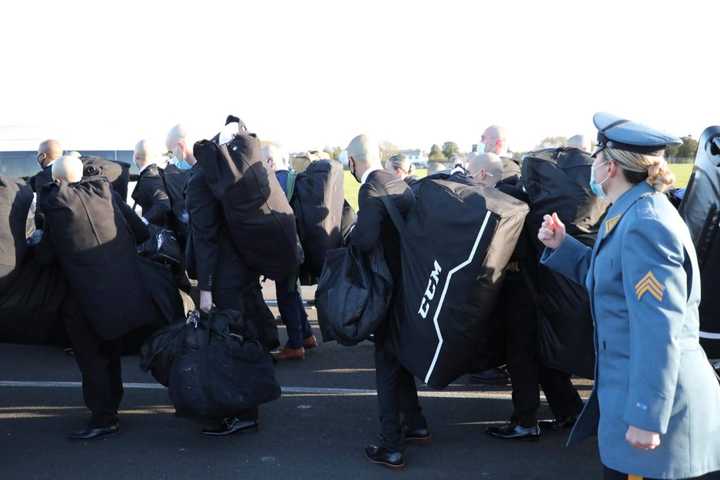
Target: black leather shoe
x,y
419,436
564,423
232,425
385,457
513,431
92,432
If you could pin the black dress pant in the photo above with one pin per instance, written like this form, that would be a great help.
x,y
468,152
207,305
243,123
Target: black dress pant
x,y
99,363
527,374
397,399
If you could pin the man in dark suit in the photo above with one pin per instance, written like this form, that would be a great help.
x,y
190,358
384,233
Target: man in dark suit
x,y
397,392
223,279
48,151
517,314
92,233
150,192
287,290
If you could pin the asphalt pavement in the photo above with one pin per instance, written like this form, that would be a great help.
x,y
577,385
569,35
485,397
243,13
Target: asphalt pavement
x,y
317,430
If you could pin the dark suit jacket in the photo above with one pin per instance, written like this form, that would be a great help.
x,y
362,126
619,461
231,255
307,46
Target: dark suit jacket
x,y
15,199
152,197
213,255
373,222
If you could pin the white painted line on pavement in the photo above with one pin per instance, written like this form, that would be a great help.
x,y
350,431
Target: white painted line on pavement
x,y
293,391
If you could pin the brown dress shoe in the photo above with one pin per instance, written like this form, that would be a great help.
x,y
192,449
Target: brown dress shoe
x,y
310,342
287,353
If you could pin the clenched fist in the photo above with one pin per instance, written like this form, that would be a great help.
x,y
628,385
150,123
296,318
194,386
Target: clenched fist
x,y
552,231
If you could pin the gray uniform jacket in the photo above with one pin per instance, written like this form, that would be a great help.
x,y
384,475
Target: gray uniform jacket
x,y
644,284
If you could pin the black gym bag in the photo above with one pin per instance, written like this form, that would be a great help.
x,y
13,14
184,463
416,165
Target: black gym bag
x,y
558,180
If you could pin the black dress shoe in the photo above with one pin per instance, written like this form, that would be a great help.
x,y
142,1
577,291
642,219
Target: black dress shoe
x,y
564,423
513,431
232,425
420,436
385,457
92,432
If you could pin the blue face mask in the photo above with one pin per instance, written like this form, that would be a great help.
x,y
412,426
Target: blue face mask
x,y
480,148
596,186
183,165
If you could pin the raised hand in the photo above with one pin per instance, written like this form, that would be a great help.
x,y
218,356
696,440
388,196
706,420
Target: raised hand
x,y
552,231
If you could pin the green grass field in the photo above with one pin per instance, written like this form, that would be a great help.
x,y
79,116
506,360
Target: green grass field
x,y
682,172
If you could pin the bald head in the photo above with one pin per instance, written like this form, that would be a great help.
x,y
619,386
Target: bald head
x,y
580,141
68,168
275,157
146,152
495,140
363,154
180,144
49,151
486,168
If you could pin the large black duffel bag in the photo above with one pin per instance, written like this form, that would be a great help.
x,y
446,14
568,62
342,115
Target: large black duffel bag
x,y
558,180
96,251
456,243
258,215
317,199
353,294
218,373
118,173
700,209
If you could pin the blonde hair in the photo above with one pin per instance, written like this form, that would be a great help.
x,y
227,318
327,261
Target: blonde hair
x,y
637,167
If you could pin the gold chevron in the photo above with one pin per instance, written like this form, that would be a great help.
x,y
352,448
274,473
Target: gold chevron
x,y
649,284
611,223
635,477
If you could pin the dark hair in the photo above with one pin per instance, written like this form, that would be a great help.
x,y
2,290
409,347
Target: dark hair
x,y
634,177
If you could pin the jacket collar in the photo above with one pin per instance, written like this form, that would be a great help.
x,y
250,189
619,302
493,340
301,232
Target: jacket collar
x,y
621,205
367,174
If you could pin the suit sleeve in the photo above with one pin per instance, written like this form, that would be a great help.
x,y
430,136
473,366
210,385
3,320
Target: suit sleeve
x,y
655,284
205,218
138,228
368,227
154,194
571,259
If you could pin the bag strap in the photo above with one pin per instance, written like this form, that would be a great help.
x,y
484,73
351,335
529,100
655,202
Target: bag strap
x,y
392,210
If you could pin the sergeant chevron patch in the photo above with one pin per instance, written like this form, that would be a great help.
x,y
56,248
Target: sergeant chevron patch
x,y
610,224
649,284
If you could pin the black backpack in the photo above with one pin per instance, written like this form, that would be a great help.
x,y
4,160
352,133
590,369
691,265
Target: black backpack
x,y
259,218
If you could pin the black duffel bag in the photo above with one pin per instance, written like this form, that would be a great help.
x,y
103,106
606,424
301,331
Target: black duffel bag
x,y
558,180
218,373
162,246
353,294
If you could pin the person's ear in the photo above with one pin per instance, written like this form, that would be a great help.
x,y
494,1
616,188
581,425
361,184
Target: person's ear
x,y
499,145
613,168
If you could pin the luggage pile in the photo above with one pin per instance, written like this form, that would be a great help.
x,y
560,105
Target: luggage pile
x,y
557,180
